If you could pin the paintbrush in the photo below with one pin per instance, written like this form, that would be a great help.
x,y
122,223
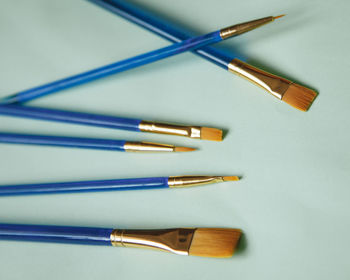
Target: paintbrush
x,y
203,242
120,66
114,185
292,93
196,132
89,143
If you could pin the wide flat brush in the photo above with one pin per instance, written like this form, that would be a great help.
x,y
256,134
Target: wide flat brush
x,y
114,185
138,125
120,66
203,242
89,143
293,94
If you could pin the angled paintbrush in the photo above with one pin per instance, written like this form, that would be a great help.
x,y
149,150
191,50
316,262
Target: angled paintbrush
x,y
203,242
117,67
114,185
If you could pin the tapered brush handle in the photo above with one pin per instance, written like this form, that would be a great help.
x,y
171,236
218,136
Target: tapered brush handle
x,y
86,186
166,29
59,141
70,117
113,68
57,234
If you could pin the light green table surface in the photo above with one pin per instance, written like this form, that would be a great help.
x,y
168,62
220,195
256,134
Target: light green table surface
x,y
293,200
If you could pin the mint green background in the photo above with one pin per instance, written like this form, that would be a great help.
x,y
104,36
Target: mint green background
x,y
293,200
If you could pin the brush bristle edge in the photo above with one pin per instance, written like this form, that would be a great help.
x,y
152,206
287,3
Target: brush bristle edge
x,y
211,134
214,242
184,149
230,178
299,97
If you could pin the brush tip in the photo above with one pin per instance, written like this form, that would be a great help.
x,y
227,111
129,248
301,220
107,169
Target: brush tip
x,y
230,178
279,16
211,134
299,97
183,149
214,242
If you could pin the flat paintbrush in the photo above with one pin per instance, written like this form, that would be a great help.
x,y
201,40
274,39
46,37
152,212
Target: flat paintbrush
x,y
203,242
196,132
114,185
117,67
89,143
293,94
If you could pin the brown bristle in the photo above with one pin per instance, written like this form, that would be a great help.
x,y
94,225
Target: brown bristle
x,y
231,178
279,16
212,134
214,242
299,97
183,149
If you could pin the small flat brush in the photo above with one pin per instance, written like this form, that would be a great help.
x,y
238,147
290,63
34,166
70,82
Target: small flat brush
x,y
293,94
117,67
203,242
89,143
196,132
114,185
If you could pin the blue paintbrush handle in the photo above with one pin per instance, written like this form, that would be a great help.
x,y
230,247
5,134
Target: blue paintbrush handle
x,y
86,186
70,117
166,29
74,142
57,234
113,68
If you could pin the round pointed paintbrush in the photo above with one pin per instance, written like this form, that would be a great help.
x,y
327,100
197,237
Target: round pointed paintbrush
x,y
114,185
120,66
89,143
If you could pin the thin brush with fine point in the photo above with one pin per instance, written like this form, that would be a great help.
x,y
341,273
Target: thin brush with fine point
x,y
202,242
114,185
196,132
89,143
298,96
120,66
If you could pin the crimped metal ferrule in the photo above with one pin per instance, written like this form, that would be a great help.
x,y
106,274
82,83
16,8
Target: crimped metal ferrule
x,y
171,129
189,181
275,85
177,241
243,27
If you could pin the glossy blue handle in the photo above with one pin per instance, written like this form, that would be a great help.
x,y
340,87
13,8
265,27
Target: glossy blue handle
x,y
113,68
57,234
166,29
70,117
60,141
86,186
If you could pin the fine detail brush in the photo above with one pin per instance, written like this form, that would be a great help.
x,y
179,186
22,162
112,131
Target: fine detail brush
x,y
293,94
202,242
89,143
196,132
120,66
114,185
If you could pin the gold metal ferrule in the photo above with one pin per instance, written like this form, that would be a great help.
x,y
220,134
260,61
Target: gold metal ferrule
x,y
244,27
177,241
275,85
190,181
147,147
171,129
